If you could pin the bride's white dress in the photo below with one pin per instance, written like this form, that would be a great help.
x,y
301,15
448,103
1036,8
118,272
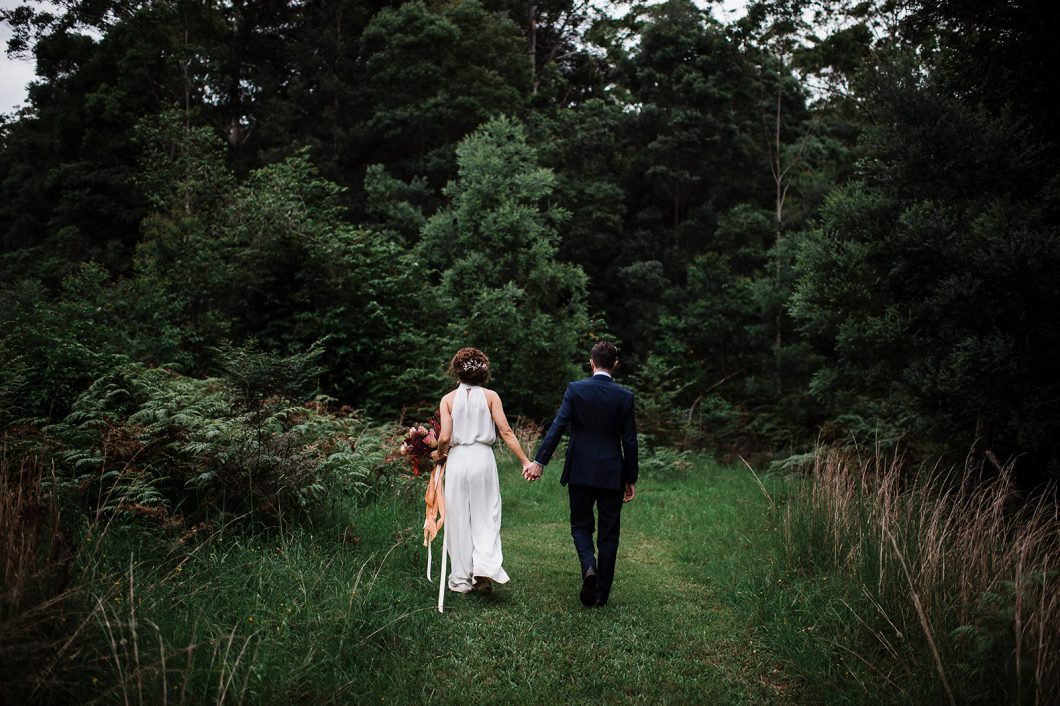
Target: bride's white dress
x,y
472,493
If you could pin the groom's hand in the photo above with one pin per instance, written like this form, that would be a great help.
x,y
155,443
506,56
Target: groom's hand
x,y
532,471
631,492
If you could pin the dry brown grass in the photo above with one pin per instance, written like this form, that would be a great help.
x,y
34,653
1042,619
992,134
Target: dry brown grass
x,y
970,566
529,434
36,563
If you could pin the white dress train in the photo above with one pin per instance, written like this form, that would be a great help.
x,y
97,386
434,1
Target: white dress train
x,y
472,494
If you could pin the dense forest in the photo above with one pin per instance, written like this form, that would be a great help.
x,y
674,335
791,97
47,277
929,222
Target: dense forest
x,y
240,241
824,219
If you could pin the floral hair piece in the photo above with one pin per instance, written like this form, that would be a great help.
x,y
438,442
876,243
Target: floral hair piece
x,y
472,365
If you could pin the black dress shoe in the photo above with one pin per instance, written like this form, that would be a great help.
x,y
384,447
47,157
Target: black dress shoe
x,y
588,593
599,603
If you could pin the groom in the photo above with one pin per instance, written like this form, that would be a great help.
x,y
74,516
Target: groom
x,y
601,466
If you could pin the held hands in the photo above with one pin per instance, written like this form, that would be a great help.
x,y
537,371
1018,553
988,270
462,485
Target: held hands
x,y
532,471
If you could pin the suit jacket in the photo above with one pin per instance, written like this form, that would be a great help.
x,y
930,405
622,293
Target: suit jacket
x,y
602,452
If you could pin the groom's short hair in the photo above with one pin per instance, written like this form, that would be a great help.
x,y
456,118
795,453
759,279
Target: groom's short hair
x,y
604,355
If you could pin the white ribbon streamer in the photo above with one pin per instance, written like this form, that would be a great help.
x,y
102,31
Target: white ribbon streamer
x,y
441,578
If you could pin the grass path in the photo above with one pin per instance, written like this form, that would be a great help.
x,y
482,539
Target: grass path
x,y
675,630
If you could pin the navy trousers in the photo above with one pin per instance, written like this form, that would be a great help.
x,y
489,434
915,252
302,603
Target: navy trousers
x,y
608,504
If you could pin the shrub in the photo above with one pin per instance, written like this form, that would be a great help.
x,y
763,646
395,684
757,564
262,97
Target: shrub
x,y
152,443
663,461
51,349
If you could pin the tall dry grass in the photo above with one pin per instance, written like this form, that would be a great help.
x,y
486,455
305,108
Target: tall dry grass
x,y
35,564
956,580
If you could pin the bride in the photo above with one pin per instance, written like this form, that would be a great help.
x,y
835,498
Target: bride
x,y
471,418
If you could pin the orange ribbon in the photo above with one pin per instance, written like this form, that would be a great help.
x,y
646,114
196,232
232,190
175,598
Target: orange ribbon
x,y
432,523
435,500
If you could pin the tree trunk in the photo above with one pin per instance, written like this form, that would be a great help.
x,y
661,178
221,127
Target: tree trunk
x,y
778,173
778,178
234,128
533,50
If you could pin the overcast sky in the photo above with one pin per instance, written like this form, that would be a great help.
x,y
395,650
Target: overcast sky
x,y
16,73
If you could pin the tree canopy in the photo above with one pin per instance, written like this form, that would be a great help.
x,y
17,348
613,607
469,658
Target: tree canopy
x,y
825,219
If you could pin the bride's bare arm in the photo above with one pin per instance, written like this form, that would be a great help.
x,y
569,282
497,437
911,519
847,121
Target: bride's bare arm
x,y
503,428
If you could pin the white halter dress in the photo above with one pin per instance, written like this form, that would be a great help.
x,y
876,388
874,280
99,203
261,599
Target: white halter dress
x,y
472,493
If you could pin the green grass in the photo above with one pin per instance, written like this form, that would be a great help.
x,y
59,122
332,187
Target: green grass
x,y
720,597
344,614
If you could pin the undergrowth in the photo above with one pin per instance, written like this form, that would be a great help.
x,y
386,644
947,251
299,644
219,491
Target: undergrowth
x,y
897,587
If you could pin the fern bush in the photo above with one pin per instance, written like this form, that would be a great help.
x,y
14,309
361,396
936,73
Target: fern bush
x,y
151,443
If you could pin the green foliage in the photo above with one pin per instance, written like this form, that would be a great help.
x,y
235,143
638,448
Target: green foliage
x,y
700,119
730,341
93,595
51,349
660,418
147,441
664,462
394,207
255,377
277,173
184,167
585,147
933,290
431,77
273,259
501,287
236,239
224,226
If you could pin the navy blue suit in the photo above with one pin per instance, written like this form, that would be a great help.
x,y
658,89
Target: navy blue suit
x,y
601,460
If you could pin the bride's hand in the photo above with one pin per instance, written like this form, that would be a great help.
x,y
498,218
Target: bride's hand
x,y
436,455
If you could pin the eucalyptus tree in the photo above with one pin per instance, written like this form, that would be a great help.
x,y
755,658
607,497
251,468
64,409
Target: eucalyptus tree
x,y
500,286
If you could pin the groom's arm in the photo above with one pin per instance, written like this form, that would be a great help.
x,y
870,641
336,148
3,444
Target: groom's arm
x,y
630,461
556,431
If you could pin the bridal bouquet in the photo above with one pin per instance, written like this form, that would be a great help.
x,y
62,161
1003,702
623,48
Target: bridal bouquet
x,y
419,442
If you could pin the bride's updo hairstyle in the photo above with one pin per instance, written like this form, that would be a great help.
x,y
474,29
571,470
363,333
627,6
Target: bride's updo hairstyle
x,y
470,366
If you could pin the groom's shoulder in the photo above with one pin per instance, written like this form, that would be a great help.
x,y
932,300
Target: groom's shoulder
x,y
582,386
599,383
